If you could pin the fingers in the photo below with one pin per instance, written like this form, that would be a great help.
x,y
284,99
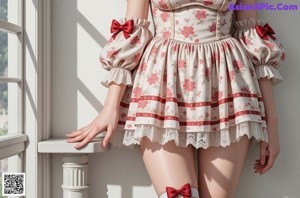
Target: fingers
x,y
78,136
258,166
74,133
267,159
260,163
271,159
108,135
86,134
263,150
88,137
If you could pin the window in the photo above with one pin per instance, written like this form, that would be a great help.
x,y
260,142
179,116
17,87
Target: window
x,y
25,90
10,68
12,141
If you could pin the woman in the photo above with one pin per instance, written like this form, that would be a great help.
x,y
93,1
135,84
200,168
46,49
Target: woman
x,y
195,84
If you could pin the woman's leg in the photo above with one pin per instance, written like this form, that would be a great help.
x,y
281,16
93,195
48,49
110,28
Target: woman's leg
x,y
220,169
169,165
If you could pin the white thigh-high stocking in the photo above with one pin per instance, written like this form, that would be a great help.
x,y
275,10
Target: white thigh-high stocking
x,y
185,192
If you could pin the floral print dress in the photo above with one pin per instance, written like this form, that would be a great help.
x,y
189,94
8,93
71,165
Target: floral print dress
x,y
195,80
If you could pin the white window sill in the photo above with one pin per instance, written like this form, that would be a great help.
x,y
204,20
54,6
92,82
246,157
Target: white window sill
x,y
59,145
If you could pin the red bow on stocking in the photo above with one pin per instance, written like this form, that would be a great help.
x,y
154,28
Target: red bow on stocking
x,y
185,191
116,27
263,32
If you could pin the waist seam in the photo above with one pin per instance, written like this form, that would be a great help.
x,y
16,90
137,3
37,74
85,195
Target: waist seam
x,y
208,42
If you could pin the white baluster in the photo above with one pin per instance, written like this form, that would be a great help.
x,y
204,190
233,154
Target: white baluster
x,y
75,167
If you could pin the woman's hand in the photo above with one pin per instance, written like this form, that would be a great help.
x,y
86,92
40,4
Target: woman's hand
x,y
268,150
107,120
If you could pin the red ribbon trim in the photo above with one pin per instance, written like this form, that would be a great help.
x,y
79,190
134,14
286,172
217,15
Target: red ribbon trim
x,y
264,31
127,28
185,191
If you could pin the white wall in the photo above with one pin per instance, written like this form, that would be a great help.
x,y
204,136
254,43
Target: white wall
x,y
80,30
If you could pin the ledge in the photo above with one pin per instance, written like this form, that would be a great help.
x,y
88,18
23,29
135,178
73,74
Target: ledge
x,y
12,144
59,145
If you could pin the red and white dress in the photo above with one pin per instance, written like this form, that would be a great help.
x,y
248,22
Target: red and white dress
x,y
195,80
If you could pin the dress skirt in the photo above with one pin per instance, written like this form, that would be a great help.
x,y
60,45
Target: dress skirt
x,y
204,94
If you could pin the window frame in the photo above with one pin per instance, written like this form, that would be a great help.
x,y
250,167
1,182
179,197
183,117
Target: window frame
x,y
35,82
6,148
14,143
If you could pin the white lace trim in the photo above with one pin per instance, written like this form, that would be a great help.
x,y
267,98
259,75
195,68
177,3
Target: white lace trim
x,y
268,71
222,138
119,76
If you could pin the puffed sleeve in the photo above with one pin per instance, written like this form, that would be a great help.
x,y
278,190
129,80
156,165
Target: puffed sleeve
x,y
123,51
262,47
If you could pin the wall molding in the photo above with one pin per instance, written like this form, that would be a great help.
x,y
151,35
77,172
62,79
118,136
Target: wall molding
x,y
44,89
37,95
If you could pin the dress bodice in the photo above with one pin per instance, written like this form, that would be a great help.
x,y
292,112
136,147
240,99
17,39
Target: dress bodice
x,y
176,4
192,21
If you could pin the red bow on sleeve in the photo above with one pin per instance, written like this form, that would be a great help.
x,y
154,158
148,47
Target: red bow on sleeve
x,y
263,32
185,191
116,27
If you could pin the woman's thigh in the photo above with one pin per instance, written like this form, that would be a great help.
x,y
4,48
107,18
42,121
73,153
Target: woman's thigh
x,y
220,169
168,165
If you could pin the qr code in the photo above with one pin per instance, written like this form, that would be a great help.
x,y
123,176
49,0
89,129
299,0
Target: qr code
x,y
13,184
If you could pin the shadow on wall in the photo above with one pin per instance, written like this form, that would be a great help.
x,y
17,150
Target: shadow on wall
x,y
121,168
66,88
125,173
